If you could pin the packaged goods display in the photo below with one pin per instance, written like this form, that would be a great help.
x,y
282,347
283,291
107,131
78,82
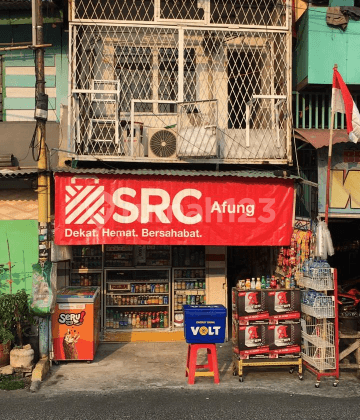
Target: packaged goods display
x,y
133,289
189,288
188,256
290,259
119,256
85,279
136,320
265,326
87,257
159,255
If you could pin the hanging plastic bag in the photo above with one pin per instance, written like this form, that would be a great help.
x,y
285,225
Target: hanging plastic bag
x,y
43,297
329,242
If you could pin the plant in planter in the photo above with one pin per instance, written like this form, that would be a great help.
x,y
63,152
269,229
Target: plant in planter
x,y
6,337
16,318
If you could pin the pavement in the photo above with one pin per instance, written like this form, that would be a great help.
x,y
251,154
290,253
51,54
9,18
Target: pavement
x,y
139,365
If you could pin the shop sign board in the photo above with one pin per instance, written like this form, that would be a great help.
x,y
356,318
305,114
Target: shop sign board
x,y
138,210
344,180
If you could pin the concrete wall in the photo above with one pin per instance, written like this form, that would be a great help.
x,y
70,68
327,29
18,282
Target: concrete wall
x,y
320,46
19,72
15,138
23,243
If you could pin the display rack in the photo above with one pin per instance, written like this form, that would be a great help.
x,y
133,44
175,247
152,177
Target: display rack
x,y
320,329
86,266
119,256
189,288
137,299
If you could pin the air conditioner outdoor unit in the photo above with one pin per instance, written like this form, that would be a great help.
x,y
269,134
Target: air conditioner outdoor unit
x,y
161,143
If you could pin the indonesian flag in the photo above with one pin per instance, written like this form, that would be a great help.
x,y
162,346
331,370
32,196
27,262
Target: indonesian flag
x,y
344,103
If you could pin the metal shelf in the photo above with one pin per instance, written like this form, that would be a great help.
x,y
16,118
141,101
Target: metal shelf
x,y
119,292
86,270
136,329
134,306
317,341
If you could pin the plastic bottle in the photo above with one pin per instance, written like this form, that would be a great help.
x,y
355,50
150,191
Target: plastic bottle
x,y
137,320
161,324
268,282
287,282
253,284
258,284
248,284
166,320
263,282
292,282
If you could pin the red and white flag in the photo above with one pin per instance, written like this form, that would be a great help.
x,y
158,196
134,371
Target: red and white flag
x,y
344,103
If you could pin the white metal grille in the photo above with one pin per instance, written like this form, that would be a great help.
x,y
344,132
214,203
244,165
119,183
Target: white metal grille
x,y
318,347
151,71
266,13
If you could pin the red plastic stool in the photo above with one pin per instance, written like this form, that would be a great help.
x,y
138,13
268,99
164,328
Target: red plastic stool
x,y
212,365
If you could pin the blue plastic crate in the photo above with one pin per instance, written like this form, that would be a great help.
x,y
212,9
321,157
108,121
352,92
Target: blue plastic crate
x,y
204,323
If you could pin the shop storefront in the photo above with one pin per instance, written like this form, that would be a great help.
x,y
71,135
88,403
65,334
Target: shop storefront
x,y
154,243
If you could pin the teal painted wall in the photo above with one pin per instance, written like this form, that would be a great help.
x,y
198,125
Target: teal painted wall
x,y
55,57
322,46
23,242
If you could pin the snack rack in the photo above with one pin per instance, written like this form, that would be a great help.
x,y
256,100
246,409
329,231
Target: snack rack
x,y
319,322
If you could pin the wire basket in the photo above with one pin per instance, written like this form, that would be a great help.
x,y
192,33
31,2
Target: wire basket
x,y
320,307
320,279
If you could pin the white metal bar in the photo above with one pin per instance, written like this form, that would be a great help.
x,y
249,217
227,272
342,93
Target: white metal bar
x,y
181,65
277,121
224,28
132,114
269,97
92,91
247,124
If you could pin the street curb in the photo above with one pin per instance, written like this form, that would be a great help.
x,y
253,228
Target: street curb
x,y
41,369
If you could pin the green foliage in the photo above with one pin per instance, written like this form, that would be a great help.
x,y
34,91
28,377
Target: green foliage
x,y
10,383
15,316
5,335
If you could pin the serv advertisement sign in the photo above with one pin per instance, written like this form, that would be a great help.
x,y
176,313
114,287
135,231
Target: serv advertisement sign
x,y
170,210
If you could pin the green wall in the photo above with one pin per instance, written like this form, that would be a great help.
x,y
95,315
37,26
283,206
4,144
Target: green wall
x,y
55,56
23,242
320,46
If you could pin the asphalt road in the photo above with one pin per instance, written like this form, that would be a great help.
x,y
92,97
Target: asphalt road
x,y
176,404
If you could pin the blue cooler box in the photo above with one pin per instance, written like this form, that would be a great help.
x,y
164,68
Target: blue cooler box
x,y
204,323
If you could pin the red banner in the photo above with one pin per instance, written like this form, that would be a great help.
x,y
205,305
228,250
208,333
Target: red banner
x,y
139,210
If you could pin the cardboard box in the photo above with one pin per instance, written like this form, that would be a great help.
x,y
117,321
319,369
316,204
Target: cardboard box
x,y
286,353
258,354
250,337
285,336
283,301
249,303
290,318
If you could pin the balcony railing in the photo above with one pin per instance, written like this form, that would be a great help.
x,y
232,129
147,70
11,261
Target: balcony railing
x,y
313,110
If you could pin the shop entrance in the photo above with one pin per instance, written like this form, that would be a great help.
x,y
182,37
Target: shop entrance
x,y
247,262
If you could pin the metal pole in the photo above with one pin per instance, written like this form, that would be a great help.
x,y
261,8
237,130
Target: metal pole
x,y
329,158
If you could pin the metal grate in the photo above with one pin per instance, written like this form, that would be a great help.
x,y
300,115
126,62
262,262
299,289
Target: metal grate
x,y
266,13
155,74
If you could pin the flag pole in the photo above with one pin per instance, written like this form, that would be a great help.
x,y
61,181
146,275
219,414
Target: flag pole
x,y
329,157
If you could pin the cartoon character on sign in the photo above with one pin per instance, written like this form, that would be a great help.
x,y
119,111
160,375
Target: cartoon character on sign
x,y
71,337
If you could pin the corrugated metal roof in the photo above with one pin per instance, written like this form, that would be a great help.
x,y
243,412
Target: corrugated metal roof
x,y
320,137
175,172
12,173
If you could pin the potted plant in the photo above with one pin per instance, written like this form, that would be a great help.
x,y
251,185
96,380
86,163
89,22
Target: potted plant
x,y
6,337
16,317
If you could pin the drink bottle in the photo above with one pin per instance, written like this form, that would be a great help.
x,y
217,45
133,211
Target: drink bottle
x,y
253,284
268,282
248,284
263,282
258,284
